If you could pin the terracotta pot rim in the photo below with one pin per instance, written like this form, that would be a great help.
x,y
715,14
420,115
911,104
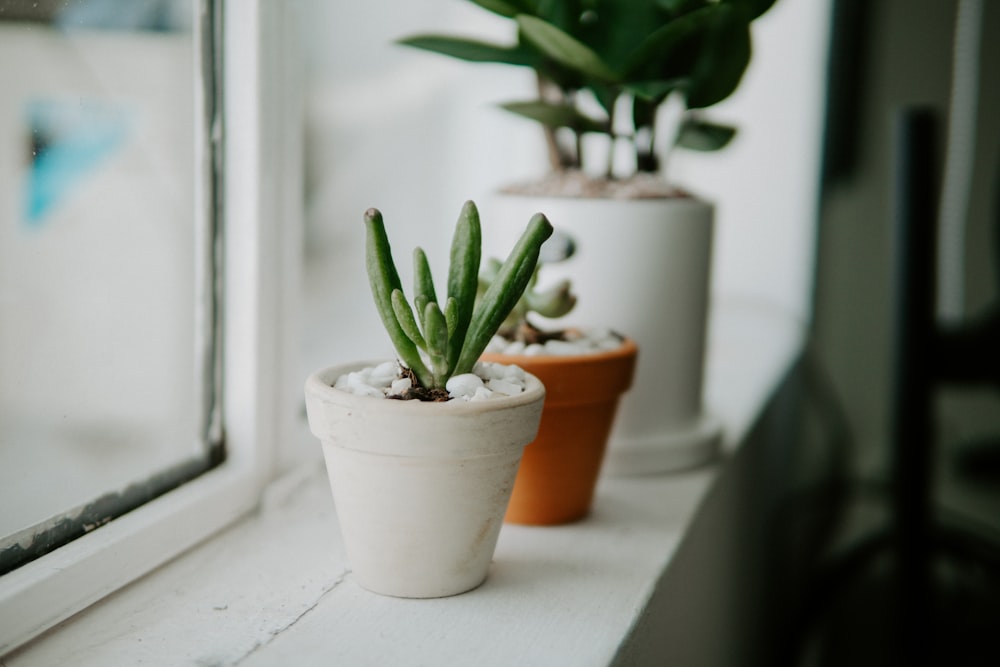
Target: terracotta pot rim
x,y
573,379
628,348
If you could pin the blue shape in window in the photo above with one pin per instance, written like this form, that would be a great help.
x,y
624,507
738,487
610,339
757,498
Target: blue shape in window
x,y
69,140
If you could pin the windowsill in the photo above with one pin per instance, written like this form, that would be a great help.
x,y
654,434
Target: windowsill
x,y
276,589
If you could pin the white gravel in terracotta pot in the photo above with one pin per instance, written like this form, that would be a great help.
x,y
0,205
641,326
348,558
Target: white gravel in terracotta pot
x,y
587,341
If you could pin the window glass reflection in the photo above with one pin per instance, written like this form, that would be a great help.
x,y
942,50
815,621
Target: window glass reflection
x,y
98,385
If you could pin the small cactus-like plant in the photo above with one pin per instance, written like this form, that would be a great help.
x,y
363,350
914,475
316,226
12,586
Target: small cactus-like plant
x,y
554,302
438,341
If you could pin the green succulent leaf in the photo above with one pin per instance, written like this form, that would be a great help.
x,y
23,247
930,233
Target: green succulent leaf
x,y
384,279
423,281
702,135
451,316
404,315
463,274
436,334
419,303
473,50
556,115
504,292
565,49
556,301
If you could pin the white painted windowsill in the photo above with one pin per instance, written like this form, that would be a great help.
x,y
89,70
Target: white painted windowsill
x,y
275,589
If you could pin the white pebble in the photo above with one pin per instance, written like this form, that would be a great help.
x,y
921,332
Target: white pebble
x,y
513,373
460,386
367,390
561,348
609,344
400,385
357,379
504,387
482,394
599,334
487,370
384,374
517,347
534,350
497,344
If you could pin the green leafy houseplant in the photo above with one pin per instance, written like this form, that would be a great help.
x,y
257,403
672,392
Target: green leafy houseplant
x,y
440,342
643,51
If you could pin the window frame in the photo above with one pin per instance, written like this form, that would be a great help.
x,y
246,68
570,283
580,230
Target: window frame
x,y
259,271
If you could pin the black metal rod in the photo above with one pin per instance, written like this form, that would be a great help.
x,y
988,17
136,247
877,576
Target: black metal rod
x,y
914,229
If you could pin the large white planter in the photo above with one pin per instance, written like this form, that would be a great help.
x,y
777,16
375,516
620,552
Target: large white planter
x,y
420,488
643,267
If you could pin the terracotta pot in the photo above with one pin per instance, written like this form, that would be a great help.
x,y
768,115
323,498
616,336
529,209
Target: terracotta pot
x,y
420,488
642,266
559,471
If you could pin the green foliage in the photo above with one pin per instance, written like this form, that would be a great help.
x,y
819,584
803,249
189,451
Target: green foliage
x,y
437,343
554,302
648,51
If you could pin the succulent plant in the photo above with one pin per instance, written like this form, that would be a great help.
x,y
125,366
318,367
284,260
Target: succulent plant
x,y
439,342
642,51
554,302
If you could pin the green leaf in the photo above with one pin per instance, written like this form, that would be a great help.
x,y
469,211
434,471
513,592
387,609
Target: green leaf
x,y
606,96
405,318
659,47
722,58
504,292
556,115
472,50
554,302
451,316
423,283
508,9
565,49
752,8
654,91
679,6
702,135
436,334
384,279
463,274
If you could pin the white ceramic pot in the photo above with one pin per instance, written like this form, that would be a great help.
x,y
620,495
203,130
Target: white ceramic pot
x,y
420,488
643,266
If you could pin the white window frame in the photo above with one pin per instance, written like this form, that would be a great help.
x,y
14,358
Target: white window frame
x,y
261,215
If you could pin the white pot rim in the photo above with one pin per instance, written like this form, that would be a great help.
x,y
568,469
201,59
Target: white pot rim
x,y
688,201
321,383
347,420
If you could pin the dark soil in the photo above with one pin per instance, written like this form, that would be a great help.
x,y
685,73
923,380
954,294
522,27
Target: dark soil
x,y
418,392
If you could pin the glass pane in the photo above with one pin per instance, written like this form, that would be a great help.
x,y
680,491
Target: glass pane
x,y
100,387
